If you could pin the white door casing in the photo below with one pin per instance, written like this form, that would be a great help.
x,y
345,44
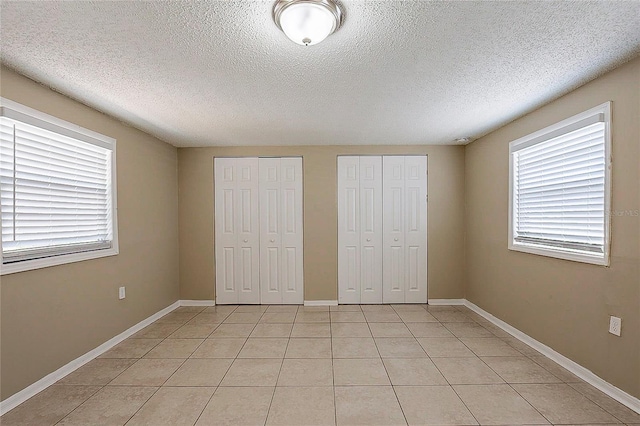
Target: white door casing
x,y
237,241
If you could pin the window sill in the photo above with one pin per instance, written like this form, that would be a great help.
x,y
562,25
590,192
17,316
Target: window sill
x,y
29,265
593,259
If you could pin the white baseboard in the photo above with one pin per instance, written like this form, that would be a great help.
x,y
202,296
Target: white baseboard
x,y
31,390
320,303
445,302
583,373
197,302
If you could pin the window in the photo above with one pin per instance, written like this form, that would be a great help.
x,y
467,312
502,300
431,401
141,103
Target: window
x,y
560,189
57,191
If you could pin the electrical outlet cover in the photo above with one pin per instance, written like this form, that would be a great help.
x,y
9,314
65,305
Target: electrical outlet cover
x,y
615,325
121,293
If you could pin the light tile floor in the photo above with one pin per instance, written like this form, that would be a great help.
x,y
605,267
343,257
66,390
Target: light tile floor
x,y
345,365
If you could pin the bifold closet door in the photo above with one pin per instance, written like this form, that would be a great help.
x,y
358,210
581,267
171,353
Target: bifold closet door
x,y
405,229
237,237
360,229
281,263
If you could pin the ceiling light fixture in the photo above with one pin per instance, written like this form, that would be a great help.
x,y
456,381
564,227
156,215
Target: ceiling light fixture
x,y
307,22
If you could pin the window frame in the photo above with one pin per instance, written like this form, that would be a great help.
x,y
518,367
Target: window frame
x,y
544,135
17,111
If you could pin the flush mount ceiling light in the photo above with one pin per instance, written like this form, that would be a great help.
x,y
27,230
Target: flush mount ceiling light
x,y
307,22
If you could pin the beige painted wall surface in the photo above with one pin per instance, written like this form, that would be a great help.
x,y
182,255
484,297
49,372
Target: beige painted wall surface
x,y
53,315
445,231
565,305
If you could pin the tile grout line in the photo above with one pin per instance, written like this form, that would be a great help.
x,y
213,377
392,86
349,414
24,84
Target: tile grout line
x,y
171,375
495,372
207,336
333,374
449,383
162,385
510,384
335,402
273,394
79,405
246,339
447,380
607,411
530,404
232,362
222,378
204,407
385,368
152,395
122,372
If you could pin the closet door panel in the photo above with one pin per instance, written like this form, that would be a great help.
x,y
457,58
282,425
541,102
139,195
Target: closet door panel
x,y
292,274
349,230
416,229
393,229
248,236
236,230
227,277
270,224
225,230
371,229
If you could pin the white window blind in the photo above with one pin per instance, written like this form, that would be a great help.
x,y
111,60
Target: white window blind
x,y
559,188
55,190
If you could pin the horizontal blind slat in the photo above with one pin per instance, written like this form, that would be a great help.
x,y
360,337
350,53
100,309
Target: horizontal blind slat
x,y
26,169
30,133
27,149
583,182
41,179
564,139
561,146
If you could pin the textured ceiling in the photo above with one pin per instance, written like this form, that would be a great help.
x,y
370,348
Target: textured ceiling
x,y
221,73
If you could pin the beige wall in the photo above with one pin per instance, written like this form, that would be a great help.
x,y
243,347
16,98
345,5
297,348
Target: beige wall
x,y
53,315
565,305
445,216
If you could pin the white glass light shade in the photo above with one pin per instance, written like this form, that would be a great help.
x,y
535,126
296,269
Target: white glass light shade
x,y
307,22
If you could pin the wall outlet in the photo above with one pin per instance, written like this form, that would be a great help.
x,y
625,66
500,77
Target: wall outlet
x,y
615,325
121,293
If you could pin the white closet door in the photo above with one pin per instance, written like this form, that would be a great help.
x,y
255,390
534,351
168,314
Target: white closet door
x,y
371,229
270,224
416,229
349,230
393,229
236,230
405,233
291,236
281,237
360,229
